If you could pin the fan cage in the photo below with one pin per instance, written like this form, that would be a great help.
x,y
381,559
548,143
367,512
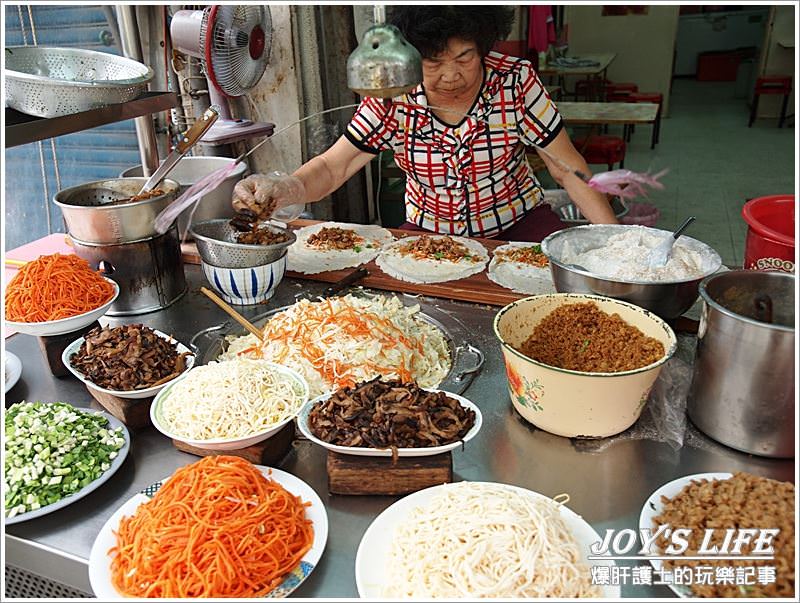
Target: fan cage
x,y
228,61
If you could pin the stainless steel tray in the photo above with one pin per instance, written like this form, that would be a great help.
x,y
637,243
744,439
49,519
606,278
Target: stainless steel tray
x,y
466,360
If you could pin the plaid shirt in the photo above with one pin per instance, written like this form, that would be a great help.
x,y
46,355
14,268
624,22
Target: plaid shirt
x,y
466,179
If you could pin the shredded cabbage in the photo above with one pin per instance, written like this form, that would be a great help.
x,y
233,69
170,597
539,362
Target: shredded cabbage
x,y
342,341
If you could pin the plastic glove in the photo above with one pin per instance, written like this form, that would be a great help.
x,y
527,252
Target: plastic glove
x,y
270,196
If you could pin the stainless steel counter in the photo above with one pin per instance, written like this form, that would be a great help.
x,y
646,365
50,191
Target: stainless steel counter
x,y
607,488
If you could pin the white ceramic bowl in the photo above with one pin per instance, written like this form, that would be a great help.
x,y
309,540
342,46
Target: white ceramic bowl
x,y
305,428
64,325
226,443
245,286
571,403
135,394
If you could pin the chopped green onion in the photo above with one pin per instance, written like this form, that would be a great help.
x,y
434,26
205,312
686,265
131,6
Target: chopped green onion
x,y
53,450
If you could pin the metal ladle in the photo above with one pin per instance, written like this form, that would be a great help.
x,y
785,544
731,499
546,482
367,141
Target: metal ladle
x,y
384,65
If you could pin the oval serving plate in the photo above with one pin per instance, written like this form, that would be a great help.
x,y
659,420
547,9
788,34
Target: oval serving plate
x,y
374,550
653,507
305,428
466,359
100,559
122,454
134,394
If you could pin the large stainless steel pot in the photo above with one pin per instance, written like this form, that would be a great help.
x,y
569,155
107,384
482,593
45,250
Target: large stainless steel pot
x,y
149,272
91,216
742,392
214,204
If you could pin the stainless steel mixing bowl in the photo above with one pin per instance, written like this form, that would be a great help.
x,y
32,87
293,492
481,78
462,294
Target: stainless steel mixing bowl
x,y
570,213
667,299
217,246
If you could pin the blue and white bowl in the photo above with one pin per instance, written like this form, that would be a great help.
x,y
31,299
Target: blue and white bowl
x,y
245,286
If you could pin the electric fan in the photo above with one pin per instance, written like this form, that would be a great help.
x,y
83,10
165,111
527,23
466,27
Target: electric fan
x,y
233,43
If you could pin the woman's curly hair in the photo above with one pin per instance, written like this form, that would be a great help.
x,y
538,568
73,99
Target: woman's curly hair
x,y
428,28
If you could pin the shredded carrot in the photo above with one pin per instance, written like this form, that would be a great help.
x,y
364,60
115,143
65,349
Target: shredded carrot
x,y
306,335
217,528
55,286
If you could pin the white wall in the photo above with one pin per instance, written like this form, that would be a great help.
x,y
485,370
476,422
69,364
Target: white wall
x,y
717,31
644,44
777,59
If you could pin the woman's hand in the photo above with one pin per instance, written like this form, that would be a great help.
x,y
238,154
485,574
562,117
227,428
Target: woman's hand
x,y
263,194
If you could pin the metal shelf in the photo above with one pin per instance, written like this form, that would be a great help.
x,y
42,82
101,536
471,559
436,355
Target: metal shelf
x,y
22,128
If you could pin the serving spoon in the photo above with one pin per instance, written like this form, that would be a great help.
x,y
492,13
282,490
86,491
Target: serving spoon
x,y
659,255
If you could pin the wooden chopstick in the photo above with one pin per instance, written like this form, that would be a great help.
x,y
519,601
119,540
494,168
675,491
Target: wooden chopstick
x,y
233,313
15,263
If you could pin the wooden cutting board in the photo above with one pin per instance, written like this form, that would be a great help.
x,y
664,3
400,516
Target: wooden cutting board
x,y
476,288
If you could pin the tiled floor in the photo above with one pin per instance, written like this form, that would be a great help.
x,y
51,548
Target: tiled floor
x,y
715,163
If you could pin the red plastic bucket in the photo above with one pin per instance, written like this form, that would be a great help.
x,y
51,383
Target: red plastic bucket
x,y
770,233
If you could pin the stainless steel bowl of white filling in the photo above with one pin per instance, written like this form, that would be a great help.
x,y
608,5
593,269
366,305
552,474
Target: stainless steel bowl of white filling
x,y
612,260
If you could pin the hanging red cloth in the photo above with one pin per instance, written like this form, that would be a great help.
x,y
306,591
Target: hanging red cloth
x,y
541,28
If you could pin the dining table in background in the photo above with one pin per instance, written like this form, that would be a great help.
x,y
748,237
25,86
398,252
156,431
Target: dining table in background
x,y
595,71
610,114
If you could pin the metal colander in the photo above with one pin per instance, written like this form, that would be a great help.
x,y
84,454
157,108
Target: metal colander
x,y
92,217
216,243
50,82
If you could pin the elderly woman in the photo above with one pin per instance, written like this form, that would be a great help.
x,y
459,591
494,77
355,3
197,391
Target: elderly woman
x,y
460,136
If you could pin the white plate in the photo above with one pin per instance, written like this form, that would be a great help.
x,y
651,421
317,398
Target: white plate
x,y
305,428
122,453
136,394
12,370
100,560
225,443
373,553
653,507
64,325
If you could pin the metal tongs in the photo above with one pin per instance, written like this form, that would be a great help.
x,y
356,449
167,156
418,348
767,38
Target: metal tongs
x,y
187,141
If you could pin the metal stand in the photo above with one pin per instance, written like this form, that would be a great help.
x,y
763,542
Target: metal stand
x,y
132,48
